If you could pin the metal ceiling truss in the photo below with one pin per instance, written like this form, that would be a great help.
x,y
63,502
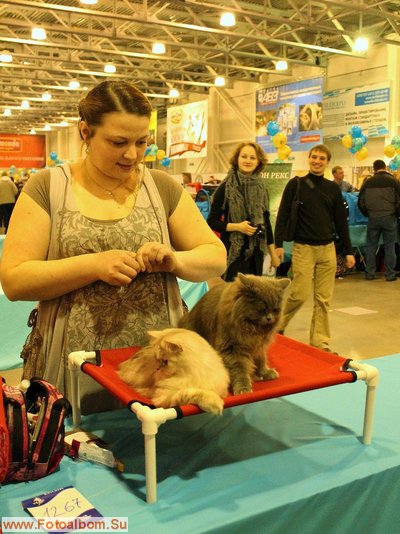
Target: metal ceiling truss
x,y
81,39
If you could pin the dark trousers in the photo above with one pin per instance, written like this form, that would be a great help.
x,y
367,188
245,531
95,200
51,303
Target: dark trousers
x,y
252,265
5,214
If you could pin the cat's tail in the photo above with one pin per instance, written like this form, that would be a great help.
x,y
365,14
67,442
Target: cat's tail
x,y
205,399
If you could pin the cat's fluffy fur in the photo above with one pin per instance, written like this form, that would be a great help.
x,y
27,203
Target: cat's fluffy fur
x,y
239,320
178,367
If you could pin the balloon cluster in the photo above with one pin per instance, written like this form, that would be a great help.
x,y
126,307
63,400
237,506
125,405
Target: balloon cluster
x,y
53,159
152,152
279,141
393,150
355,141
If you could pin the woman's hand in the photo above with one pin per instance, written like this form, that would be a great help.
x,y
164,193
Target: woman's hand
x,y
275,259
156,257
117,267
244,227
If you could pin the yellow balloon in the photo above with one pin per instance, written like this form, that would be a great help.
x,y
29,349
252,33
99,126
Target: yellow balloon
x,y
389,151
398,151
160,155
279,139
149,158
362,153
284,152
347,141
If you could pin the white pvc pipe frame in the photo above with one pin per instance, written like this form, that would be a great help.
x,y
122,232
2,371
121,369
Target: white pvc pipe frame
x,y
151,419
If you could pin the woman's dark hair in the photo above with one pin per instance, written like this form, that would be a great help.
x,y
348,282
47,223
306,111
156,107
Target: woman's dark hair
x,y
112,96
261,156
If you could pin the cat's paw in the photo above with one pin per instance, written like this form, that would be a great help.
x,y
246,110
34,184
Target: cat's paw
x,y
212,403
240,389
269,374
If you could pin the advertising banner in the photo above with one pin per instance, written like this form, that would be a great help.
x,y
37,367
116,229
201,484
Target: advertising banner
x,y
367,107
297,108
23,151
276,176
187,130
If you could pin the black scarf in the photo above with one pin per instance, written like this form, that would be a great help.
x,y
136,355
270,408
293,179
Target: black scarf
x,y
246,198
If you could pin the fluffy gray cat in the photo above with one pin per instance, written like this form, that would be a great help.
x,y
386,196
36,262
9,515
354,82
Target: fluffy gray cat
x,y
178,367
239,320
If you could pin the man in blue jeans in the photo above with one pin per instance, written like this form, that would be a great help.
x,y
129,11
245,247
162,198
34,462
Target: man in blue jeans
x,y
379,200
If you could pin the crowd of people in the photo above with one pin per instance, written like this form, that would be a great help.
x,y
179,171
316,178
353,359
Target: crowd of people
x,y
99,243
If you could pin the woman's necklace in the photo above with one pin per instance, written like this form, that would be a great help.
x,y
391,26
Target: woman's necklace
x,y
110,192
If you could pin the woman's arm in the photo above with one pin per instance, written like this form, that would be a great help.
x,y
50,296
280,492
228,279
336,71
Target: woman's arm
x,y
200,254
26,274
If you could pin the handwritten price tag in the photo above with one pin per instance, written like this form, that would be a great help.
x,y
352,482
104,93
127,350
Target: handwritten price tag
x,y
63,502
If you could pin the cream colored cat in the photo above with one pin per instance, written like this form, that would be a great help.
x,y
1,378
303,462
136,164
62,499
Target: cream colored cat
x,y
178,367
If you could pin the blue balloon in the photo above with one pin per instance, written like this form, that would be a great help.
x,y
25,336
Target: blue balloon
x,y
392,166
364,138
353,150
153,150
272,128
358,143
165,162
396,141
355,131
53,156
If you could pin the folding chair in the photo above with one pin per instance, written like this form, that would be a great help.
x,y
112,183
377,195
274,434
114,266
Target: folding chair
x,y
301,368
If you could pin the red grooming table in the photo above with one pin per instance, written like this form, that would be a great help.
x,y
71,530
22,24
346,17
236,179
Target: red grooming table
x,y
300,366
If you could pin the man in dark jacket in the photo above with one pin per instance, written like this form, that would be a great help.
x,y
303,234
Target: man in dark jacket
x,y
379,200
321,212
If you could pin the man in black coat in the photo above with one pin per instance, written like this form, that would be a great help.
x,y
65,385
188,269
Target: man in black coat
x,y
379,200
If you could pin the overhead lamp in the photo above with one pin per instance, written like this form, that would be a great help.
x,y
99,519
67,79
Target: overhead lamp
x,y
39,34
228,20
173,93
89,2
64,123
360,44
25,104
158,48
47,128
74,84
32,131
219,81
7,112
6,57
46,96
281,65
110,68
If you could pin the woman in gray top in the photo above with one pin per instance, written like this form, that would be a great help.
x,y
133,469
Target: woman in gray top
x,y
99,243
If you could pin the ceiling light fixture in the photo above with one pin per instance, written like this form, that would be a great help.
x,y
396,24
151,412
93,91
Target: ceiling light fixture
x,y
74,84
219,81
281,65
158,48
64,123
173,93
6,57
110,68
228,20
25,104
7,112
39,34
360,44
32,131
47,128
89,2
46,96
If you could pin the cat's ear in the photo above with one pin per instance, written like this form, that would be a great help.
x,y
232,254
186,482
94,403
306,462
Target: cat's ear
x,y
154,334
283,282
175,348
245,280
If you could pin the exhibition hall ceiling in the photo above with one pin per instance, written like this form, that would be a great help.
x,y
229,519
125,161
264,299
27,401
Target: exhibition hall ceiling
x,y
81,39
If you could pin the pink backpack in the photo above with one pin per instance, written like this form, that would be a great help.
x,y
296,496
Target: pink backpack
x,y
32,429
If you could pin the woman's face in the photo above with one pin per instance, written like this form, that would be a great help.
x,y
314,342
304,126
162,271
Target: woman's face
x,y
247,160
118,145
